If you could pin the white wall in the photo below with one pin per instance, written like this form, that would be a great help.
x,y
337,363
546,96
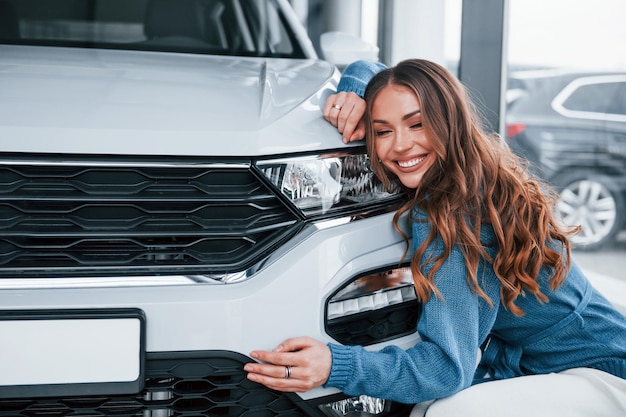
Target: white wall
x,y
418,30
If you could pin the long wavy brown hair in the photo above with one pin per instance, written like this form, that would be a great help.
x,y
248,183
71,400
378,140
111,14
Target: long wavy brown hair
x,y
476,180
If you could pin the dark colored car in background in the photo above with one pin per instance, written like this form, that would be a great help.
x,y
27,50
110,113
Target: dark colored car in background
x,y
572,129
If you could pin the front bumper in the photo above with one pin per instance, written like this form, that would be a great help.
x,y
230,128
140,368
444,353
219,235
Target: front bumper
x,y
198,336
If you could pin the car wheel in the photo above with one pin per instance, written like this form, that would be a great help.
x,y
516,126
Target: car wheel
x,y
591,202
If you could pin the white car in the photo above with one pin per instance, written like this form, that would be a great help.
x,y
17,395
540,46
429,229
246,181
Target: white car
x,y
171,198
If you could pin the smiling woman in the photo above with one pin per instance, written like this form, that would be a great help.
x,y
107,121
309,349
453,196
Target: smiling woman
x,y
491,266
401,144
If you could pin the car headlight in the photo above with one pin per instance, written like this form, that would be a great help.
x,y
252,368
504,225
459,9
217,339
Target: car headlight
x,y
327,184
374,307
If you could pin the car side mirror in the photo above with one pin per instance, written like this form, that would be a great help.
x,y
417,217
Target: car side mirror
x,y
342,48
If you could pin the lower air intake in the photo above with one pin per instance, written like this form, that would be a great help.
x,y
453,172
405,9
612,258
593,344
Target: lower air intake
x,y
198,384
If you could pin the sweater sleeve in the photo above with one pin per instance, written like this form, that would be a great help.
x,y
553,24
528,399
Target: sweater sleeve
x,y
356,76
441,363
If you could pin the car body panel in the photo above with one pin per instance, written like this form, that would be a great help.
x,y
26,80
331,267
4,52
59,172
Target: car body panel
x,y
200,317
256,314
120,102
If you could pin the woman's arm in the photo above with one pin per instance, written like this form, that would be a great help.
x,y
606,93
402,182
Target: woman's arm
x,y
442,363
345,109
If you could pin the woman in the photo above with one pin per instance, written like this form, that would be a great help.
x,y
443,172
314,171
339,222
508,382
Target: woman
x,y
490,263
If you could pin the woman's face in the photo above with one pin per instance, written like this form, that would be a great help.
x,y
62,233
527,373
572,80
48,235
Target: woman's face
x,y
399,138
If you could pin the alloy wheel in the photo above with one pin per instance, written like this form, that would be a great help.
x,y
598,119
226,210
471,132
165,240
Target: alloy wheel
x,y
591,205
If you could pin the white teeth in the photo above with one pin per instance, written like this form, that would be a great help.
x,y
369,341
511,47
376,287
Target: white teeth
x,y
413,162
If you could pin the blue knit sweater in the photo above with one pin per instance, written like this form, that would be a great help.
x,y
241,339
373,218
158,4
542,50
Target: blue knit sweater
x,y
577,327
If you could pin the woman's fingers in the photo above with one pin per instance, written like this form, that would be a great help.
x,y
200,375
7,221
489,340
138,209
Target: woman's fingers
x,y
345,111
296,344
296,365
289,378
359,132
275,357
351,123
332,107
275,377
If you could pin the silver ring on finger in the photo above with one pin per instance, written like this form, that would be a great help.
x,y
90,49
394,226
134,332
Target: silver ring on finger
x,y
336,106
287,371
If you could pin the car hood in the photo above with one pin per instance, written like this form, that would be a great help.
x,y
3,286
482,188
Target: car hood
x,y
67,100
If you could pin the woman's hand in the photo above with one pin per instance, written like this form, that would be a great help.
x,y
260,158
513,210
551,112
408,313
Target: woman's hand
x,y
296,365
345,112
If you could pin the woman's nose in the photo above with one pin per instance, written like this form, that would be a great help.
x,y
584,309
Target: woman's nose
x,y
402,141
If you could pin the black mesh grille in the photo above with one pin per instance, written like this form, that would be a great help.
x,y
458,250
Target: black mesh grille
x,y
91,217
194,384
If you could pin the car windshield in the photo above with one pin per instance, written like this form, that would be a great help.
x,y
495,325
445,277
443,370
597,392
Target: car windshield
x,y
221,27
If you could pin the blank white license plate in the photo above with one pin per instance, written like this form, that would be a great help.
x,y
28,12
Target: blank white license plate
x,y
71,352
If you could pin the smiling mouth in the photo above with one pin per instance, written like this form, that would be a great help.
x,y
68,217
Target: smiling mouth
x,y
411,163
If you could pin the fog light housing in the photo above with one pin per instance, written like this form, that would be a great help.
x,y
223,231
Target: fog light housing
x,y
374,307
362,405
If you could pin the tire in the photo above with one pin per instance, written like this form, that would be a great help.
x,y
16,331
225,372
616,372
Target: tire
x,y
593,202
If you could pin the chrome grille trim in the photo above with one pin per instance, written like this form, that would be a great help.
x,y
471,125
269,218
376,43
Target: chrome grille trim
x,y
122,164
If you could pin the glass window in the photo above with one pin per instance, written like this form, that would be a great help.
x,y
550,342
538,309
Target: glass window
x,y
567,101
595,97
225,27
618,104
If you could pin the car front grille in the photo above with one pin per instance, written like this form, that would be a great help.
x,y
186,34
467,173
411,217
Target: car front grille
x,y
89,217
194,384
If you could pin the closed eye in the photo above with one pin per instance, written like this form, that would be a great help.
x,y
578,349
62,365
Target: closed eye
x,y
380,133
416,125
